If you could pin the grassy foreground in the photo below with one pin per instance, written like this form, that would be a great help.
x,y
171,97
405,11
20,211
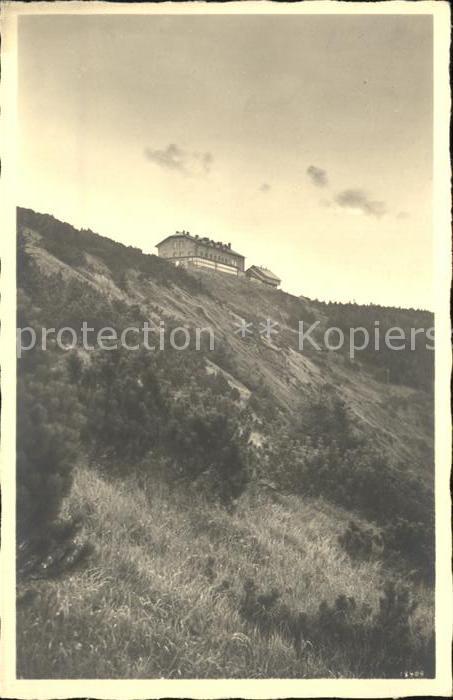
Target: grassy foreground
x,y
163,593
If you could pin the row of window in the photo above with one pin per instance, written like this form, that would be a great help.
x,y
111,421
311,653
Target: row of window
x,y
209,256
219,258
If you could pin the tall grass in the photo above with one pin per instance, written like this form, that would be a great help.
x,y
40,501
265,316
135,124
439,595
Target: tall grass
x,y
161,595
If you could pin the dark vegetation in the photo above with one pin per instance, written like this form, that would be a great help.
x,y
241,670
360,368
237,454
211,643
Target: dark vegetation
x,y
323,455
133,410
162,412
381,642
116,405
50,420
123,407
69,245
413,368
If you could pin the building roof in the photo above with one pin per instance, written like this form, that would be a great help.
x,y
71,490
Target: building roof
x,y
217,245
263,272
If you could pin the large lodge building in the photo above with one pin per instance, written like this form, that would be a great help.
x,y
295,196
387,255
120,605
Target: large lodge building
x,y
182,248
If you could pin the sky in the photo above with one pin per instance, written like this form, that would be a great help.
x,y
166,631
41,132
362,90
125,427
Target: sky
x,y
304,140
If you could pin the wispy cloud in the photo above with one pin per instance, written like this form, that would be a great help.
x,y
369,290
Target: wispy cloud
x,y
205,159
265,187
402,215
318,176
354,200
358,201
173,157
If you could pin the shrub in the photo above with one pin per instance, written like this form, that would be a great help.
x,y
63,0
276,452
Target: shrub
x,y
217,383
360,541
326,419
125,405
235,394
208,442
270,615
165,404
415,540
324,456
49,421
385,643
64,251
400,644
262,402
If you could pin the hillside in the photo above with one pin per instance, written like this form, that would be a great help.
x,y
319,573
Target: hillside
x,y
219,301
253,503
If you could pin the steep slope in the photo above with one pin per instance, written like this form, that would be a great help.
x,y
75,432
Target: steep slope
x,y
164,594
253,508
398,417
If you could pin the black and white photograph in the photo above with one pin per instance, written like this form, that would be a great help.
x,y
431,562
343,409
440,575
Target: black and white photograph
x,y
229,429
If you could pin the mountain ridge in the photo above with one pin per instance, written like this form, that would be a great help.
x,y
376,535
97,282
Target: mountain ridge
x,y
225,300
279,502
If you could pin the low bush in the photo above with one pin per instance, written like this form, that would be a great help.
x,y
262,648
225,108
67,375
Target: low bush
x,y
359,541
49,421
324,455
235,394
165,405
265,611
384,643
415,539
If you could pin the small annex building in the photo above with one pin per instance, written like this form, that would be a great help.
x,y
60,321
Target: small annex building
x,y
181,248
257,273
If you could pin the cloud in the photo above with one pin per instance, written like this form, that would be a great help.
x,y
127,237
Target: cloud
x,y
265,187
207,159
402,215
318,176
359,202
173,157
